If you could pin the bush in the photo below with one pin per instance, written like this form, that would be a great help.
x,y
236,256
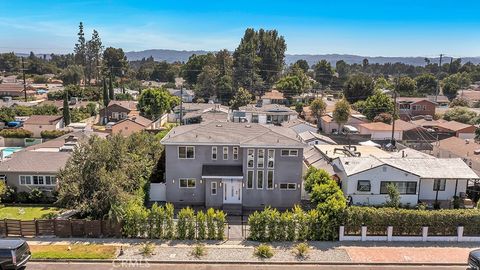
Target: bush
x,y
36,196
169,225
263,251
201,228
211,224
147,249
301,250
186,224
23,197
199,251
220,218
10,194
52,134
40,79
393,196
16,133
157,220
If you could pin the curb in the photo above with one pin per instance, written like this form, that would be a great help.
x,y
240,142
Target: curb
x,y
110,261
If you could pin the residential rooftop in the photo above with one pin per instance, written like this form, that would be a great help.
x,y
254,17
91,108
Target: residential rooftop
x,y
268,108
311,136
334,151
43,119
229,133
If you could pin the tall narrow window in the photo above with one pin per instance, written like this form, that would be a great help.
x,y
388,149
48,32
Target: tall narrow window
x,y
260,158
214,188
271,158
235,153
249,179
250,158
225,153
270,180
439,184
260,179
214,152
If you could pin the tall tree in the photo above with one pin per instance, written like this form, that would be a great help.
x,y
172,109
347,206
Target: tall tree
x,y
324,73
115,61
154,102
194,66
241,98
206,82
73,74
106,98
358,87
302,64
111,91
66,110
80,47
377,104
426,83
406,85
271,50
318,107
94,50
341,113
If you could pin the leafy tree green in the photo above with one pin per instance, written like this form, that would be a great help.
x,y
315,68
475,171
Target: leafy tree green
x,y
302,64
163,72
342,69
66,110
105,96
111,91
123,96
461,114
406,85
206,82
341,113
324,73
426,83
80,47
40,79
315,176
393,195
377,104
382,83
290,85
154,102
7,114
94,50
9,62
52,134
455,82
106,172
459,102
241,98
16,133
358,87
318,107
195,65
114,62
73,74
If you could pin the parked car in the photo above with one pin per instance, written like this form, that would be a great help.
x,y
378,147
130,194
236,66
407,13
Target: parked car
x,y
14,254
474,259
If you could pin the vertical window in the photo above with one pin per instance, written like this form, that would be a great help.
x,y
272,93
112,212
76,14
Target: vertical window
x,y
249,179
214,188
439,184
260,179
235,153
225,152
186,152
250,158
35,180
270,180
214,152
271,158
260,158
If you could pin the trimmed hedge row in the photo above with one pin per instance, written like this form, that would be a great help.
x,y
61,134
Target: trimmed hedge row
x,y
438,221
16,133
159,223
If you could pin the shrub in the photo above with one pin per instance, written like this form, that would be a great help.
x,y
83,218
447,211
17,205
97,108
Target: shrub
x,y
199,251
301,250
186,224
147,249
302,223
220,218
211,235
52,134
263,251
393,196
10,195
16,133
157,219
201,228
169,225
135,220
36,196
23,197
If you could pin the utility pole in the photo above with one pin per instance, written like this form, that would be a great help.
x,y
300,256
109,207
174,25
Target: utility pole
x,y
181,104
392,141
438,79
24,82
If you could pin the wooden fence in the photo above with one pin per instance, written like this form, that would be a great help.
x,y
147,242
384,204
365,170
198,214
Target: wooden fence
x,y
60,228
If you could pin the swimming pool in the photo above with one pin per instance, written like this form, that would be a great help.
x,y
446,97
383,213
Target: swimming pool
x,y
7,151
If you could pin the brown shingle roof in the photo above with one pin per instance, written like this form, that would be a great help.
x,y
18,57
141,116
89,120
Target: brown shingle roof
x,y
274,94
404,126
377,126
144,122
43,119
127,104
453,125
413,99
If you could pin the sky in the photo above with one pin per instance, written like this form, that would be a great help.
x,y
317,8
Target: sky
x,y
362,27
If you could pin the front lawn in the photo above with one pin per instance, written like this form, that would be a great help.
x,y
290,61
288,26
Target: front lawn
x,y
27,212
76,252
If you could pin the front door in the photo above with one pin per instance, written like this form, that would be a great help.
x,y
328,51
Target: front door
x,y
232,191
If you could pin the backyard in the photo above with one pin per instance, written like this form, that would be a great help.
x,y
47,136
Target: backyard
x,y
27,212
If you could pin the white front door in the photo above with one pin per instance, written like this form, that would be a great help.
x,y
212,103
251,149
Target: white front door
x,y
232,191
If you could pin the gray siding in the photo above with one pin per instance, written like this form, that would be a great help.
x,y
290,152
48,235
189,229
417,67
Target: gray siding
x,y
286,170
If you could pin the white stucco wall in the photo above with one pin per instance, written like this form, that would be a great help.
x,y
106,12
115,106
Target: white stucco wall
x,y
427,192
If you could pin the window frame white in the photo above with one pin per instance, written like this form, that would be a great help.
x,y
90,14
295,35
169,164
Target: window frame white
x,y
273,179
187,179
214,153
235,153
250,172
212,188
290,151
270,158
260,160
263,179
441,186
251,158
288,186
43,181
225,153
369,185
186,151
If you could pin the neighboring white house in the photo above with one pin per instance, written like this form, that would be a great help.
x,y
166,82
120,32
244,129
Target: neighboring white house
x,y
364,179
379,131
264,114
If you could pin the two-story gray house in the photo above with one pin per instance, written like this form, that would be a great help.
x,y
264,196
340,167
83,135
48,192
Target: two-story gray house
x,y
233,166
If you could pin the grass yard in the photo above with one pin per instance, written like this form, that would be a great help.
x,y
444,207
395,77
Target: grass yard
x,y
27,212
77,252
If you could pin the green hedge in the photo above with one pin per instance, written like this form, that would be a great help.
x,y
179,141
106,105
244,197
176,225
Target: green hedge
x,y
52,134
159,223
439,221
16,133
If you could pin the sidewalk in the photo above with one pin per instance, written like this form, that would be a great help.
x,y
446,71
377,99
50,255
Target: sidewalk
x,y
320,252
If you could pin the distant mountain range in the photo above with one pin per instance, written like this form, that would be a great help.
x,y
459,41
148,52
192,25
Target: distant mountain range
x,y
174,55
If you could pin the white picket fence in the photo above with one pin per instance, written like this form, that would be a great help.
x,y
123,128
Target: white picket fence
x,y
391,238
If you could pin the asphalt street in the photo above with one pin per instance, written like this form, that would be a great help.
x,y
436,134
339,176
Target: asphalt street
x,y
145,265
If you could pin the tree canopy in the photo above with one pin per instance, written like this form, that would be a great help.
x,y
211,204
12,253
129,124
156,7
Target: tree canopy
x,y
154,102
358,87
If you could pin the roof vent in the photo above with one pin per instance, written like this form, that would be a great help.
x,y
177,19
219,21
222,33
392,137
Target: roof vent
x,y
248,126
476,152
219,125
467,141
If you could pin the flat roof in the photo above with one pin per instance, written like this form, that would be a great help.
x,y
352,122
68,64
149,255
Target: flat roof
x,y
331,152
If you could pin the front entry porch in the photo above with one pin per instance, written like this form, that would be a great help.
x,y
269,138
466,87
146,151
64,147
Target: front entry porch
x,y
224,187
